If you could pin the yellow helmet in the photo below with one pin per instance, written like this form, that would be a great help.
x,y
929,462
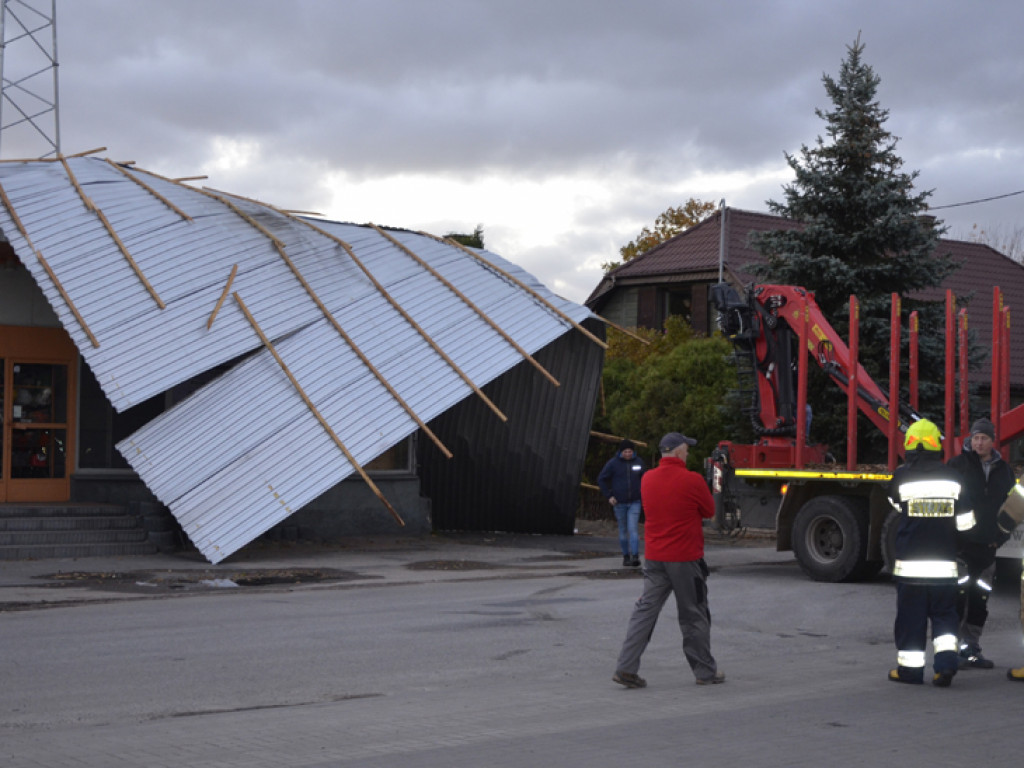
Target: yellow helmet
x,y
923,434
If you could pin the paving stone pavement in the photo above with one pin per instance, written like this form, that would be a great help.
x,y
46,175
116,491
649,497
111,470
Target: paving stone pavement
x,y
805,662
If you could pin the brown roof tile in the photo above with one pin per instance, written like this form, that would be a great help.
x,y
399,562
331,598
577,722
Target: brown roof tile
x,y
696,252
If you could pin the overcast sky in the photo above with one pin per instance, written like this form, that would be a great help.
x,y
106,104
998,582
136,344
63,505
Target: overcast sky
x,y
562,127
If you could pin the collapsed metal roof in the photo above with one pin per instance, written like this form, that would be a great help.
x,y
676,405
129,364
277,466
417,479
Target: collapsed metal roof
x,y
363,334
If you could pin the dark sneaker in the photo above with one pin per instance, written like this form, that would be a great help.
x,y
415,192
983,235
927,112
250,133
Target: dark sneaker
x,y
715,679
1015,674
894,677
629,680
635,561
626,561
942,679
973,660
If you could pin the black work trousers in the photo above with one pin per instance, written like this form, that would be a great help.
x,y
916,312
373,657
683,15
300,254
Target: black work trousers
x,y
916,605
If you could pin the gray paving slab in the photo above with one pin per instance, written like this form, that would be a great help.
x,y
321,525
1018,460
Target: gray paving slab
x,y
498,654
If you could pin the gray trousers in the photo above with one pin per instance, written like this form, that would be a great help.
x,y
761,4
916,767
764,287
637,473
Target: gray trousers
x,y
687,582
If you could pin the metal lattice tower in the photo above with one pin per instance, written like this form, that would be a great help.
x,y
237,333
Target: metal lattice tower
x,y
29,112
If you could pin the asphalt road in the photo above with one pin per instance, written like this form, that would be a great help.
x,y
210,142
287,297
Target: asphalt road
x,y
489,656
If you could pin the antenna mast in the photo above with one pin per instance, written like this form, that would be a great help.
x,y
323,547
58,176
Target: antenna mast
x,y
29,105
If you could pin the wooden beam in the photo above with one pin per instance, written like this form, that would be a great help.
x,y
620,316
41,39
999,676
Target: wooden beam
x,y
149,189
67,300
88,152
113,234
279,246
466,300
524,286
223,295
46,266
313,409
616,438
620,329
366,360
408,318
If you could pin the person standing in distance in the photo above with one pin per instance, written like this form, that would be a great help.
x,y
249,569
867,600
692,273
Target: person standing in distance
x,y
987,481
619,481
676,503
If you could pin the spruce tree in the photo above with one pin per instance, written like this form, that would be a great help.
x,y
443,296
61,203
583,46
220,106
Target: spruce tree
x,y
865,233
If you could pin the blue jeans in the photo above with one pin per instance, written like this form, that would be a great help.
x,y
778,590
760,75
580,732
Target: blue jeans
x,y
628,517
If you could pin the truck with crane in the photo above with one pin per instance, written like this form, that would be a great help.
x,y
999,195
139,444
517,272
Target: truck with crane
x,y
836,519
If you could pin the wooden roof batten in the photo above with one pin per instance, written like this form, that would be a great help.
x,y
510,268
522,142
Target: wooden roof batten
x,y
49,270
495,268
280,248
223,296
315,411
89,204
468,302
124,171
401,310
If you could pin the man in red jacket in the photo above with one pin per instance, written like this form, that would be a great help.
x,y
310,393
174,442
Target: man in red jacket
x,y
676,501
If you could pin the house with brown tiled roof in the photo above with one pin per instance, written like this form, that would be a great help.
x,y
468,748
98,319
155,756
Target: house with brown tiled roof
x,y
675,278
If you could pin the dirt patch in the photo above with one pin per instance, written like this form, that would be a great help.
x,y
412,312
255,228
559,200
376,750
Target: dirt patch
x,y
149,582
452,565
615,574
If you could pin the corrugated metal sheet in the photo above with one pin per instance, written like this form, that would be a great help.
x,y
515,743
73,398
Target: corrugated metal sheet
x,y
247,450
522,476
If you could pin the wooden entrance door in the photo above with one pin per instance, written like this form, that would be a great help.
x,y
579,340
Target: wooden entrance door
x,y
38,392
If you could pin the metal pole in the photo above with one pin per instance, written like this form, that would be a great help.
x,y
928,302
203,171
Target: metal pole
x,y
721,239
3,51
801,387
56,94
965,425
894,380
851,392
1004,368
947,427
912,362
997,356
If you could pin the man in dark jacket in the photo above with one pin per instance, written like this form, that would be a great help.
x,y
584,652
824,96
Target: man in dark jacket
x,y
927,493
987,480
619,481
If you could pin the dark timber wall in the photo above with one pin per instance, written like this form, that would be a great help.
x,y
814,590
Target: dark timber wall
x,y
522,475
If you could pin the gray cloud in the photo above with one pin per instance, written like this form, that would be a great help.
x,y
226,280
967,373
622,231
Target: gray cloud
x,y
635,97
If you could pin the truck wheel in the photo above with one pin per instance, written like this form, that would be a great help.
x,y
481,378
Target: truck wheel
x,y
889,528
830,538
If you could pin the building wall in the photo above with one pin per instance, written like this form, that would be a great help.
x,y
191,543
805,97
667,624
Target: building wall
x,y
621,308
21,301
522,475
351,509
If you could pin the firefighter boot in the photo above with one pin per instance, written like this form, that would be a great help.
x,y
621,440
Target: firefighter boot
x,y
943,679
906,675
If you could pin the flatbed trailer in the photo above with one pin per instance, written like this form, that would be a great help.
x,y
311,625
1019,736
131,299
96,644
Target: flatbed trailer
x,y
838,521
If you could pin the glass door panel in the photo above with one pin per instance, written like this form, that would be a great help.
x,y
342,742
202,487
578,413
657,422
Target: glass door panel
x,y
39,411
36,435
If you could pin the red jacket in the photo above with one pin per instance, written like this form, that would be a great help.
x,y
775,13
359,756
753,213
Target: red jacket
x,y
676,501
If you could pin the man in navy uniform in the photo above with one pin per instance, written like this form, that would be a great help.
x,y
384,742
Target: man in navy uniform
x,y
927,493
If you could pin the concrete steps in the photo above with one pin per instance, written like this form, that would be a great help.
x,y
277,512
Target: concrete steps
x,y
37,531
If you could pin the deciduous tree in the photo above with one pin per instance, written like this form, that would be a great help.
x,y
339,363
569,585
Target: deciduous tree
x,y
668,224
